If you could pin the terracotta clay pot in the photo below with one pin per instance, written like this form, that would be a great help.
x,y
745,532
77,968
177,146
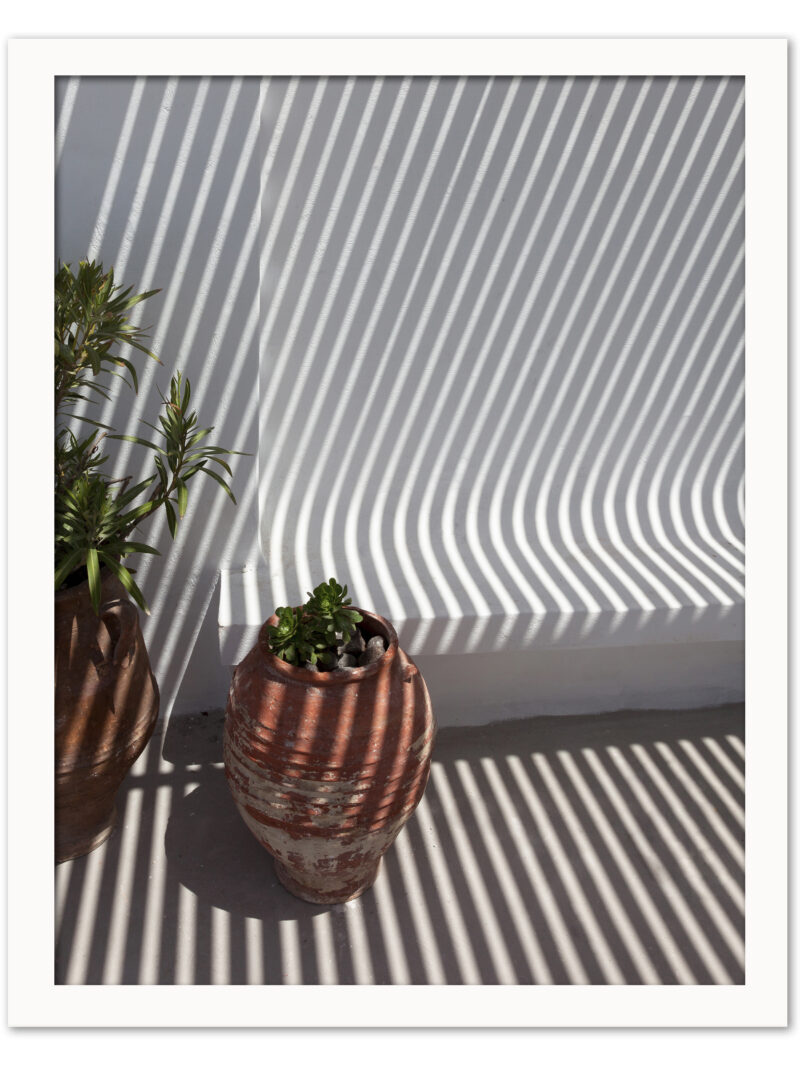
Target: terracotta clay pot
x,y
106,706
326,768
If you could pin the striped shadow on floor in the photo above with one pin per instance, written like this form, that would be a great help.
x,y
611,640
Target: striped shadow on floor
x,y
603,849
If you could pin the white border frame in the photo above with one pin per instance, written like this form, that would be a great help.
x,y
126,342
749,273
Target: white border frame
x,y
33,999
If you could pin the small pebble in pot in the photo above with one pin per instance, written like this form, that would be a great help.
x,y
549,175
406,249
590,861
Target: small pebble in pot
x,y
376,646
347,662
312,667
356,644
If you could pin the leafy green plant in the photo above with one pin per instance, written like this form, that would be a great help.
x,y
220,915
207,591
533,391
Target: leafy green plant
x,y
95,515
294,639
329,608
313,632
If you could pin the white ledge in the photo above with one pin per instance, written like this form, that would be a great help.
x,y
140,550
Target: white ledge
x,y
246,601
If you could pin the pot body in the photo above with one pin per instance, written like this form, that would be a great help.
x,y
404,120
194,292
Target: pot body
x,y
326,768
106,706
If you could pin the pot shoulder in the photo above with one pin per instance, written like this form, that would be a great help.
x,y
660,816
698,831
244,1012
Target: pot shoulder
x,y
277,704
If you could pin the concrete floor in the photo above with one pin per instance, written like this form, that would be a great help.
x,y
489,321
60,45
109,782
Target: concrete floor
x,y
582,850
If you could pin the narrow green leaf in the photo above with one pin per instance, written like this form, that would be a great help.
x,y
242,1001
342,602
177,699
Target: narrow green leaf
x,y
183,498
141,296
127,581
72,562
93,570
141,347
131,546
170,429
95,386
211,449
218,479
91,421
222,463
135,516
172,521
131,370
197,437
131,494
161,471
193,470
136,440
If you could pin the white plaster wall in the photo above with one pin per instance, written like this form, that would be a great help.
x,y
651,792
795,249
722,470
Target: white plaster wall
x,y
484,339
502,347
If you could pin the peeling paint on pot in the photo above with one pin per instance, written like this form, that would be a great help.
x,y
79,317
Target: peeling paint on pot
x,y
326,769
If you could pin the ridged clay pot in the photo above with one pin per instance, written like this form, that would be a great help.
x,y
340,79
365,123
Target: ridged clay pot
x,y
106,706
326,768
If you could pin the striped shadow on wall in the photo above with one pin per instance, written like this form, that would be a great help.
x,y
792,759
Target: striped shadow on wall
x,y
502,356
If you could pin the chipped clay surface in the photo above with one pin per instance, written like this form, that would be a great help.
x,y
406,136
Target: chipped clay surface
x,y
326,769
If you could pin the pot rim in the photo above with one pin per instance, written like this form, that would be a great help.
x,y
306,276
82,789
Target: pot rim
x,y
357,673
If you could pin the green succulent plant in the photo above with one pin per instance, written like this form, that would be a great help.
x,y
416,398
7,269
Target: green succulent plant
x,y
95,515
329,607
312,632
292,639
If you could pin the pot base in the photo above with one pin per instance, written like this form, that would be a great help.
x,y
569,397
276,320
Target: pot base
x,y
312,895
77,846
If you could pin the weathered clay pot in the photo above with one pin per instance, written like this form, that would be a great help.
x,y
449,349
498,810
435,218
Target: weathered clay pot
x,y
326,768
106,706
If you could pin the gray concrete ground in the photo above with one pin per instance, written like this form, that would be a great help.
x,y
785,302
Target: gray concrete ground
x,y
580,850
